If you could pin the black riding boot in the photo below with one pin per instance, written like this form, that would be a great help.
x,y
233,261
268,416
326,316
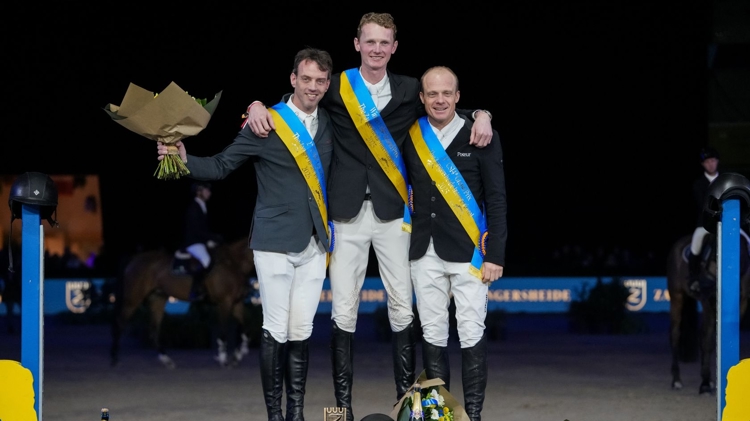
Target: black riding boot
x,y
436,363
296,377
272,374
404,359
474,376
343,368
694,270
197,289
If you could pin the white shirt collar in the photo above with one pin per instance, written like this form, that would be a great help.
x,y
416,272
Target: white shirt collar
x,y
301,114
378,86
380,92
449,132
202,204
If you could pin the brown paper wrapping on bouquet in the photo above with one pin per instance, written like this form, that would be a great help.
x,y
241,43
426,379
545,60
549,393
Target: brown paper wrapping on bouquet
x,y
459,413
170,116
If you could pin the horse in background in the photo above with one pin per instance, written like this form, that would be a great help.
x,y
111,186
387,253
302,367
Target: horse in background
x,y
150,278
683,308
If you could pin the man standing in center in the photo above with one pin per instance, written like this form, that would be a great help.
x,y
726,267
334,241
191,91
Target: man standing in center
x,y
371,110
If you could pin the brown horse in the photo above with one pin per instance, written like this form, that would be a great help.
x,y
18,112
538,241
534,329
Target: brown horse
x,y
684,320
149,277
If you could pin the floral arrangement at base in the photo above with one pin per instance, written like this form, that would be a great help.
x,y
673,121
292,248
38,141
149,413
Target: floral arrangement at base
x,y
167,116
437,402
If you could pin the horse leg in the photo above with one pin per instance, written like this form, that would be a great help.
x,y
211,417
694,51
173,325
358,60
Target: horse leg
x,y
118,326
224,308
708,346
156,304
238,312
124,310
675,314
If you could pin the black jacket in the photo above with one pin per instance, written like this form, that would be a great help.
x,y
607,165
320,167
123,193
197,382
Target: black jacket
x,y
354,167
482,169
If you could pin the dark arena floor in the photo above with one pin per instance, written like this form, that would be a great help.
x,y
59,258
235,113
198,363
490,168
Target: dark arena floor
x,y
539,371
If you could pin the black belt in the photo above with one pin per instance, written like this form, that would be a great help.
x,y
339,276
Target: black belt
x,y
368,196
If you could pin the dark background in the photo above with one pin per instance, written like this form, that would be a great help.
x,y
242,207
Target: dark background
x,y
602,107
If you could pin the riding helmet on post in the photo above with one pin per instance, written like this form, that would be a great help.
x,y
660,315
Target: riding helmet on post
x,y
724,186
34,188
31,188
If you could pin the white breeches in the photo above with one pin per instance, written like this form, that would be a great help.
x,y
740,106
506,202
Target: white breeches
x,y
200,252
349,263
290,287
697,244
435,280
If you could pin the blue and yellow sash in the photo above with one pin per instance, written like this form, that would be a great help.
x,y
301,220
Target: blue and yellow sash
x,y
453,187
373,130
302,147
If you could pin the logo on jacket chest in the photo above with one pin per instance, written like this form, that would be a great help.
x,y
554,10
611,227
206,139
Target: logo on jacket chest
x,y
463,154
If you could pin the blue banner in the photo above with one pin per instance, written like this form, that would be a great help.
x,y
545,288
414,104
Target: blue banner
x,y
513,295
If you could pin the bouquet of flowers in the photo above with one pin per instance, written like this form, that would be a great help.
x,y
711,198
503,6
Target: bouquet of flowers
x,y
167,117
437,403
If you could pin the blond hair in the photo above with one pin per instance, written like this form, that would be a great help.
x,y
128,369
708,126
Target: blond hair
x,y
381,19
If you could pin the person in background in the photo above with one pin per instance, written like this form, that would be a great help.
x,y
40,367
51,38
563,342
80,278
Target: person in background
x,y
709,158
199,238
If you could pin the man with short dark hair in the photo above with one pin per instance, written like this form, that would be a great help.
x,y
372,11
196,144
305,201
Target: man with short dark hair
x,y
290,235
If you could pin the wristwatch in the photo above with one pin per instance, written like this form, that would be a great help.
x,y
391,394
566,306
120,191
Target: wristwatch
x,y
474,114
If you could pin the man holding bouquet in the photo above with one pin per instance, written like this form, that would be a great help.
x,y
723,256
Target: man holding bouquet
x,y
459,232
290,234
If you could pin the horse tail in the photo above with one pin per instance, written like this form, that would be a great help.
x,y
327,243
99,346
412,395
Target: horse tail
x,y
689,330
116,322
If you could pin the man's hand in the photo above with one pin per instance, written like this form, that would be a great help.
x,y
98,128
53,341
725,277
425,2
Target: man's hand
x,y
259,119
481,131
491,273
163,150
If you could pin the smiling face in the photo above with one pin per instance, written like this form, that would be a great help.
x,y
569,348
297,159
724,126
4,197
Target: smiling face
x,y
310,84
439,95
375,44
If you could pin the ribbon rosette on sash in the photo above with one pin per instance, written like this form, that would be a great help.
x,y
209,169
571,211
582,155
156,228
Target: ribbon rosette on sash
x,y
302,147
453,187
373,130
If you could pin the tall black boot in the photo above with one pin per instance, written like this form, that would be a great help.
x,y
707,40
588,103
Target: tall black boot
x,y
197,289
404,349
272,374
694,270
296,377
436,363
474,377
343,368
